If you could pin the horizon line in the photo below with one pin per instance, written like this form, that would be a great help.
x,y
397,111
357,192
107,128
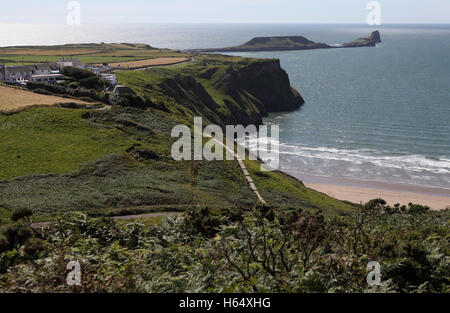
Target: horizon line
x,y
236,23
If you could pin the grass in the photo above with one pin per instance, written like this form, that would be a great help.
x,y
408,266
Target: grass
x,y
147,221
86,53
13,99
278,188
53,141
149,62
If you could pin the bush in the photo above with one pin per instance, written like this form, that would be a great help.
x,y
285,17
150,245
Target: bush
x,y
204,222
86,99
73,85
21,214
42,92
17,234
85,78
77,73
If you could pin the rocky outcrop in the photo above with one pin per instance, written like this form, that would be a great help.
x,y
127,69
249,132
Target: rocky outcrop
x,y
266,81
370,41
286,43
248,93
375,36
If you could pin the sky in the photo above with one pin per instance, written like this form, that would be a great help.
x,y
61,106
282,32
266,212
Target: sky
x,y
225,11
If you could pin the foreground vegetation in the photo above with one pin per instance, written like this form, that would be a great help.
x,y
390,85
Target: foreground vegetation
x,y
234,250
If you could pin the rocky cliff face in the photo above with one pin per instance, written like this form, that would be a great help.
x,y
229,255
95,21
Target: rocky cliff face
x,y
240,94
375,36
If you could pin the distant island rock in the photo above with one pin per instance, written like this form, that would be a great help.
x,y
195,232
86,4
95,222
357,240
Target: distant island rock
x,y
370,41
288,43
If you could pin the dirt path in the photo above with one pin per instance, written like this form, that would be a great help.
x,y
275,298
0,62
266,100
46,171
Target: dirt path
x,y
245,172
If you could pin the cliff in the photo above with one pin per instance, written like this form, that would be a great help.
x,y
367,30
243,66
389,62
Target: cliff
x,y
370,41
224,90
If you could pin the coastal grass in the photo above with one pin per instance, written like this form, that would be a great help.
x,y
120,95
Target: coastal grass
x,y
146,221
13,99
280,189
149,62
53,141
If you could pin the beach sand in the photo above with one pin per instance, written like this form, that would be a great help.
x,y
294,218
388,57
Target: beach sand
x,y
437,200
361,191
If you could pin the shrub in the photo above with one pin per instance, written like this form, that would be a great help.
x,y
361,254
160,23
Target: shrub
x,y
17,234
22,213
204,221
42,92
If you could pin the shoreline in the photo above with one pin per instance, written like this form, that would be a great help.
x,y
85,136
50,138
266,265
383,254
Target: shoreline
x,y
363,191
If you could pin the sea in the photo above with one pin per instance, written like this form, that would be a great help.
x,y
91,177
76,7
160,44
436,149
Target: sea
x,y
371,114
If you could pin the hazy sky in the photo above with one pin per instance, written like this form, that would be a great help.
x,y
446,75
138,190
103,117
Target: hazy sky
x,y
225,11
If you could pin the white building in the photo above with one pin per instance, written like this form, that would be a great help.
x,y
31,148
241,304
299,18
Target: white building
x,y
110,78
70,63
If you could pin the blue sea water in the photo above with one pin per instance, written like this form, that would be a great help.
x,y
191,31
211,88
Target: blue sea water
x,y
376,114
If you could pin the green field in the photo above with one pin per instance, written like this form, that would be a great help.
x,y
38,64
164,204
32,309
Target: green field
x,y
53,140
86,53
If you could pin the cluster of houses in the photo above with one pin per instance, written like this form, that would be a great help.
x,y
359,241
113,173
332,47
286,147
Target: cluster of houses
x,y
50,73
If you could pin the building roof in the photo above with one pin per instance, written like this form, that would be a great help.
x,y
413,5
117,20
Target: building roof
x,y
30,68
75,62
47,75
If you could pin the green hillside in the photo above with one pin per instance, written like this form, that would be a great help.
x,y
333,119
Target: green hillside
x,y
60,159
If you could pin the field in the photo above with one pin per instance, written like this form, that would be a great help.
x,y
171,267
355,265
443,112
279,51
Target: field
x,y
147,63
86,53
13,99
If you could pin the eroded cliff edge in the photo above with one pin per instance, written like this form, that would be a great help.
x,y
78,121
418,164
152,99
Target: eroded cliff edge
x,y
225,90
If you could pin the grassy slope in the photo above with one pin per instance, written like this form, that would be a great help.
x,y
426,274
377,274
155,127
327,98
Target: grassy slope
x,y
53,140
95,167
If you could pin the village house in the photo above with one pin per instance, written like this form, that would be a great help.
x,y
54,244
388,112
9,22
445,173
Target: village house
x,y
70,63
43,73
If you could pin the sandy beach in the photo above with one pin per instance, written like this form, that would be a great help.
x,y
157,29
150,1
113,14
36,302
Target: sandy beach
x,y
363,191
436,201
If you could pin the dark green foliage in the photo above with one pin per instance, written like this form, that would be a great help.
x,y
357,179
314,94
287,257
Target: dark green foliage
x,y
237,250
204,221
42,92
76,90
17,234
128,101
84,78
22,213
